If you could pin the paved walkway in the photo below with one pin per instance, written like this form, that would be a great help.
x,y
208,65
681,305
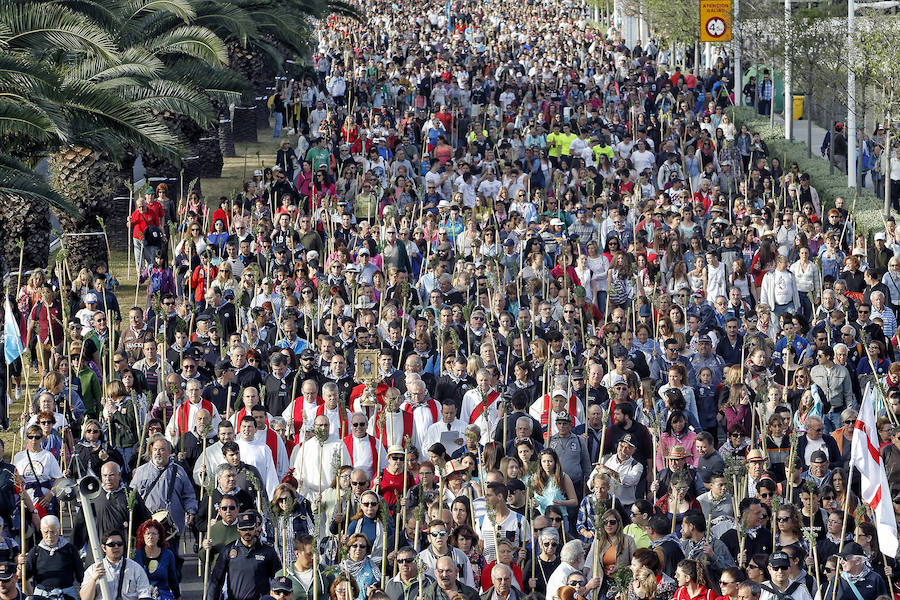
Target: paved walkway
x,y
799,133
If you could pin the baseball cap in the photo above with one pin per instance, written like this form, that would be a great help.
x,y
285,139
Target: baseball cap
x,y
365,251
308,353
704,339
556,222
7,571
616,380
559,392
248,519
578,374
563,416
257,173
282,584
88,298
444,204
880,236
818,456
509,242
779,559
852,549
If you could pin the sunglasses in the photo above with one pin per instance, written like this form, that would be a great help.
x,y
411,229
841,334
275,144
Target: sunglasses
x,y
779,568
359,483
358,424
405,561
369,503
438,533
363,546
228,508
35,437
114,544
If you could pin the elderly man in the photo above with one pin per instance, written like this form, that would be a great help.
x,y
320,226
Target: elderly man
x,y
524,429
572,561
857,579
571,449
814,439
360,449
624,470
425,411
835,386
501,584
110,508
184,417
881,311
313,461
164,485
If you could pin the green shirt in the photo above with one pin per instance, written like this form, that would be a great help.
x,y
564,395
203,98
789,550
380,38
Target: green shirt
x,y
318,157
300,592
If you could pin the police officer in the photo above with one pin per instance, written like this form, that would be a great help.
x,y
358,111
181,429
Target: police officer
x,y
246,564
9,582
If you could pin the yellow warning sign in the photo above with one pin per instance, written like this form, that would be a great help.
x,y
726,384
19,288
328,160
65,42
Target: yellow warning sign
x,y
715,20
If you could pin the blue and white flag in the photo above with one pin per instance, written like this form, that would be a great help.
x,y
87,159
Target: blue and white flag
x,y
12,341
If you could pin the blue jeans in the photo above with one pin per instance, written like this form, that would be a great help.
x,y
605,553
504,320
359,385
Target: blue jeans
x,y
279,121
832,422
805,306
779,309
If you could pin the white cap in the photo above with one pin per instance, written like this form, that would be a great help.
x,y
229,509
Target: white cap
x,y
880,236
556,223
560,393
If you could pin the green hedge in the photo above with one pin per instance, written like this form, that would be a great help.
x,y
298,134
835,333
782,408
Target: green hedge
x,y
868,207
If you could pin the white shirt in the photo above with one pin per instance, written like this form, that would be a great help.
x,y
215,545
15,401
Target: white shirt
x,y
261,458
436,430
172,425
471,400
514,524
309,416
214,458
422,420
46,467
558,578
135,583
362,454
313,464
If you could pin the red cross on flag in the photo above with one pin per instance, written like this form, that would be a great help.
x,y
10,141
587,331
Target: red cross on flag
x,y
874,488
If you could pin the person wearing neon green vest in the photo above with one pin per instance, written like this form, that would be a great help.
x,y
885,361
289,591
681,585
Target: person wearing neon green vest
x,y
565,139
554,145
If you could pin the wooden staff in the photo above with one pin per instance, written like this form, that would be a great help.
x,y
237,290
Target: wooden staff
x,y
22,522
209,551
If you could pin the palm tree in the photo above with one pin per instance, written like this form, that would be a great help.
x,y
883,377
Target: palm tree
x,y
42,106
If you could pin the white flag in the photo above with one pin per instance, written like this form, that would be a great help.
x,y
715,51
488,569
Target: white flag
x,y
12,342
874,487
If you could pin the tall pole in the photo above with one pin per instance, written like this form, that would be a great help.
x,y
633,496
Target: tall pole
x,y
788,95
736,44
851,97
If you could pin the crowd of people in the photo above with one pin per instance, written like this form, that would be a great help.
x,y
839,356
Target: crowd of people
x,y
517,311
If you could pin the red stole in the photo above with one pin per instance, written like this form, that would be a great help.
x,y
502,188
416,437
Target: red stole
x,y
572,409
297,416
382,430
272,443
241,414
184,414
479,408
348,444
343,421
431,404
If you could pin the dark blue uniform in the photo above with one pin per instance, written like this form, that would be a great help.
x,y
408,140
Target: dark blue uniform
x,y
248,571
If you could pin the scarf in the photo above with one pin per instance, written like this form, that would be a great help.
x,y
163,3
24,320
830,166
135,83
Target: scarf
x,y
59,544
109,494
356,567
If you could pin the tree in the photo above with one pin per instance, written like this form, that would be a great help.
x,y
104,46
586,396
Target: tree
x,y
874,60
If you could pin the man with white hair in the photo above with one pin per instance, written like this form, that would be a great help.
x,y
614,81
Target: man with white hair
x,y
881,311
572,557
425,411
360,449
483,398
184,417
501,579
258,455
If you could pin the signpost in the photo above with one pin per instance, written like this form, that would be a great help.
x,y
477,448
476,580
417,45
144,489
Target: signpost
x,y
715,20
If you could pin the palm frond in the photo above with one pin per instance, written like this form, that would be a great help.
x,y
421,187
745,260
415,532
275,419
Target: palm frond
x,y
18,183
168,96
181,9
190,40
27,27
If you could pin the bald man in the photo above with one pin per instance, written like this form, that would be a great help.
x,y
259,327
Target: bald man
x,y
110,508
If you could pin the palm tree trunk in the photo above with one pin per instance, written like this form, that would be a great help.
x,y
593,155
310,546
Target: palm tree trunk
x,y
28,221
93,182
